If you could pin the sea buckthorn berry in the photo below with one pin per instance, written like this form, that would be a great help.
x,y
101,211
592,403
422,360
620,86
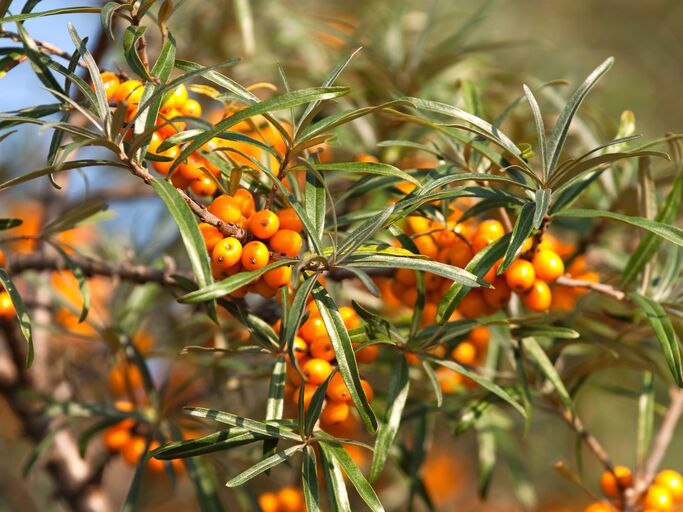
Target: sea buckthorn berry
x,y
309,390
673,481
472,305
367,355
245,202
134,450
481,241
564,298
313,328
492,273
225,208
527,245
548,265
3,259
290,499
179,181
154,464
167,125
268,502
459,254
278,277
262,288
300,348
539,297
177,99
163,167
240,293
520,276
316,370
312,309
608,481
417,224
577,266
480,337
445,236
191,168
334,412
367,158
192,108
499,295
115,438
405,276
289,219
427,246
599,506
226,253
111,83
432,282
337,390
367,389
204,186
129,91
659,498
491,228
123,379
322,348
6,306
254,255
450,381
264,224
286,242
349,317
465,353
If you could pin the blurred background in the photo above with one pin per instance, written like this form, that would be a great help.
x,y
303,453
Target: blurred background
x,y
425,49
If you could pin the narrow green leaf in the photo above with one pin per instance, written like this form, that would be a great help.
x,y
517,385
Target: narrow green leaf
x,y
309,480
264,465
531,347
276,391
269,429
107,16
379,168
521,231
542,198
66,166
336,486
218,441
10,223
646,418
399,385
131,36
82,282
545,331
487,455
74,217
102,104
51,12
21,312
315,202
540,129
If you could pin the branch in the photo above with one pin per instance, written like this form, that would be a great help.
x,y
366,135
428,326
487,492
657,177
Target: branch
x,y
605,289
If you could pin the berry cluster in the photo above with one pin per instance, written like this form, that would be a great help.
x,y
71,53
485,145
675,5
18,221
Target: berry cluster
x,y
271,235
7,310
469,351
315,362
664,495
287,499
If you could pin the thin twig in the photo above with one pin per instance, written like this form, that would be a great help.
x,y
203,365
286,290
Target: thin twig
x,y
605,289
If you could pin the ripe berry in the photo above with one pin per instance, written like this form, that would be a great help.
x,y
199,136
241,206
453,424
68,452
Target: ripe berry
x,y
520,276
123,379
225,208
290,499
245,202
427,246
167,125
539,297
134,450
264,224
177,99
226,253
163,167
316,370
268,502
300,348
6,306
192,108
459,254
673,481
465,353
261,287
349,317
289,219
204,186
286,243
111,83
367,355
405,276
337,390
322,348
472,305
480,337
313,328
548,265
334,412
278,277
659,498
3,260
417,224
491,228
154,464
129,91
309,390
599,506
367,389
481,241
254,255
499,295
450,381
608,482
115,438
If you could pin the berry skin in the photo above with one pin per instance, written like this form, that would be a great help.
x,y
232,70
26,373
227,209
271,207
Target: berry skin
x,y
225,208
6,306
254,255
316,371
309,390
491,229
334,412
290,499
459,254
450,381
111,83
337,390
264,224
539,297
261,287
349,317
608,482
598,506
268,502
321,348
497,296
286,242
128,91
472,305
245,202
465,353
427,246
3,260
226,253
548,265
115,438
290,220
673,481
659,498
203,187
154,464
520,276
163,167
166,124
177,99
368,354
300,348
367,389
480,336
313,328
192,108
134,450
123,379
278,277
191,169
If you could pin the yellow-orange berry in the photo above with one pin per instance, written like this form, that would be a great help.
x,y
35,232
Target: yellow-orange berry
x,y
204,186
286,243
608,481
115,438
264,224
226,253
191,108
673,481
659,498
337,390
134,450
111,83
6,306
465,353
490,228
164,167
520,276
313,328
210,234
599,506
278,277
322,348
499,295
268,502
548,265
289,219
177,99
316,370
129,91
245,202
290,499
167,125
309,390
539,297
254,255
367,355
367,389
225,208
334,412
480,337
349,317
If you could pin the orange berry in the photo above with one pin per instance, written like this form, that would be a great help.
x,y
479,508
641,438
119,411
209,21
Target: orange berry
x,y
3,260
289,219
492,273
225,208
577,266
316,370
129,91
111,83
490,228
245,202
480,337
254,255
312,309
313,328
539,297
405,276
334,412
548,265
164,167
659,498
204,186
465,353
6,306
459,254
608,482
268,502
499,295
444,235
290,499
192,108
210,234
520,276
300,348
564,298
264,224
367,389
153,464
417,224
472,305
226,253
134,450
337,390
450,381
166,124
673,481
115,438
481,241
427,246
368,354
367,158
286,242
177,99
262,288
309,390
349,317
191,169
321,348
278,277
124,378
599,506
